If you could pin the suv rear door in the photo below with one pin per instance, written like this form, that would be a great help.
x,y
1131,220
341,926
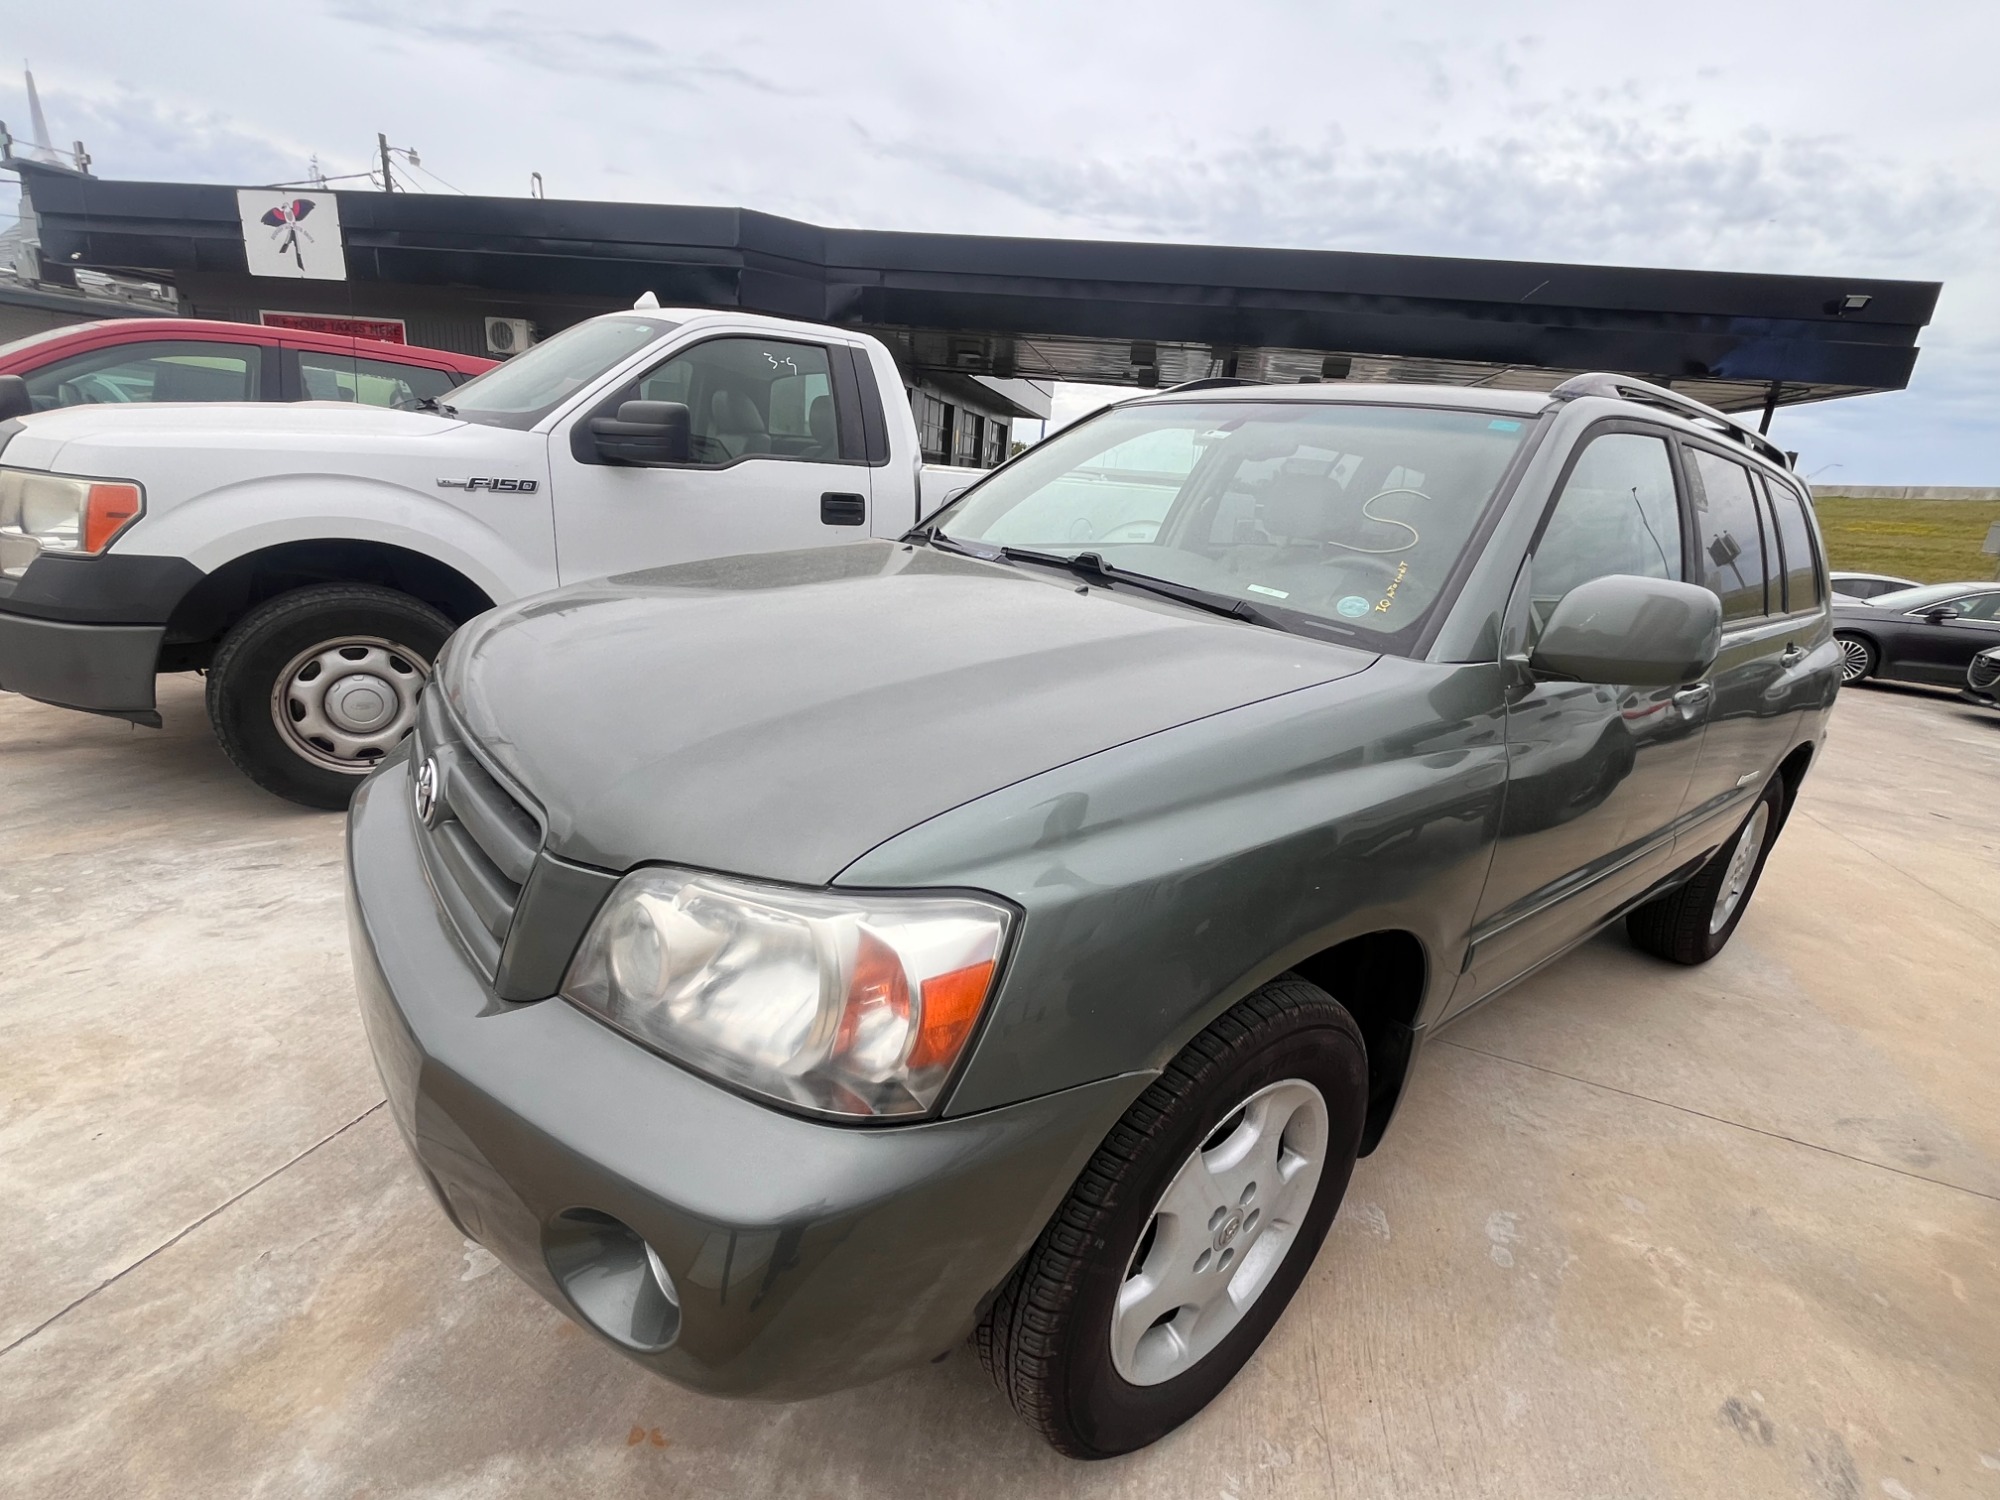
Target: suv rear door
x,y
1756,687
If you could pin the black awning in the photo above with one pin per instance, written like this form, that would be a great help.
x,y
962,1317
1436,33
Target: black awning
x,y
1116,312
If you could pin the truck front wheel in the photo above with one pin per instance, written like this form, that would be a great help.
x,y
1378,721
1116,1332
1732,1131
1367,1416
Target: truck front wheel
x,y
311,689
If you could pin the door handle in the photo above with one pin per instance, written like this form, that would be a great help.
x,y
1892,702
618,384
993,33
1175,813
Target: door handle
x,y
842,510
1792,655
1689,699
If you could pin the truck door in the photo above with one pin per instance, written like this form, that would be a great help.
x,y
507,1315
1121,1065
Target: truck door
x,y
777,461
1595,774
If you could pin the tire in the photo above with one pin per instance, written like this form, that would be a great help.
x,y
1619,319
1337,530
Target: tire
x,y
344,663
1048,1339
1691,924
1858,657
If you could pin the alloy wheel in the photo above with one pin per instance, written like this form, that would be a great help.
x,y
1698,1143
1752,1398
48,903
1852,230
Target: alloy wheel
x,y
1742,861
1854,661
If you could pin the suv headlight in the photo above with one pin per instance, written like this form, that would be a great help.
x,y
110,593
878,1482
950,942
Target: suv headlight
x,y
846,1004
57,513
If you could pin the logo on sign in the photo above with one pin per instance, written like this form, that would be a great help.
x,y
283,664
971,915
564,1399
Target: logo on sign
x,y
295,235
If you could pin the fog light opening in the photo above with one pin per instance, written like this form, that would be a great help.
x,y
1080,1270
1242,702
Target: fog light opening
x,y
614,1279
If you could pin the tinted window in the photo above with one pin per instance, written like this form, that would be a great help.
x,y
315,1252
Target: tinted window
x,y
1980,607
182,370
1795,539
373,382
1730,532
1616,514
751,396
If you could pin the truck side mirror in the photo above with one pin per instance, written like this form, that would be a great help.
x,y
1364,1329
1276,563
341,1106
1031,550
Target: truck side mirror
x,y
14,398
644,432
1624,630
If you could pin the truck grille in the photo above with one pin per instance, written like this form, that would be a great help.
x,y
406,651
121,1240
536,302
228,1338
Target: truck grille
x,y
1984,673
479,842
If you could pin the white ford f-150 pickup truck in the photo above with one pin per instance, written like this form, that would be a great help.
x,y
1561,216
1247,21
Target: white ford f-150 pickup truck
x,y
313,558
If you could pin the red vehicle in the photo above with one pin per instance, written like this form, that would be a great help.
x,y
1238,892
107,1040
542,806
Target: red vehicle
x,y
195,359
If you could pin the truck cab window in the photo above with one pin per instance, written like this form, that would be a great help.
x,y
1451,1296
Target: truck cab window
x,y
749,397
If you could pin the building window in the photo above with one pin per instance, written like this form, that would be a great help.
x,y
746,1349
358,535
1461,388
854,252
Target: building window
x,y
971,435
934,428
996,444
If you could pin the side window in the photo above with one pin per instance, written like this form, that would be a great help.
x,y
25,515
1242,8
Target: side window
x,y
182,370
1731,535
1979,606
747,397
1795,537
1616,514
373,382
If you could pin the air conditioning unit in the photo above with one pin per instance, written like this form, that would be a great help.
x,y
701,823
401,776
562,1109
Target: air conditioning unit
x,y
505,336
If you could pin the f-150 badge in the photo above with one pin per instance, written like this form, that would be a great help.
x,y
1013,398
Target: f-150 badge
x,y
497,486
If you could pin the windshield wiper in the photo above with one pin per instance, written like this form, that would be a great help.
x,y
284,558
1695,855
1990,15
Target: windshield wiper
x,y
442,408
1090,565
985,552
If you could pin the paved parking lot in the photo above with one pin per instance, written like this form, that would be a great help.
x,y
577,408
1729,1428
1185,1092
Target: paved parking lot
x,y
1638,1231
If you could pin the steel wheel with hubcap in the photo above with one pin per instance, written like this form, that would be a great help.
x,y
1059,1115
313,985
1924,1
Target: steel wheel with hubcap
x,y
310,690
1857,658
1189,1229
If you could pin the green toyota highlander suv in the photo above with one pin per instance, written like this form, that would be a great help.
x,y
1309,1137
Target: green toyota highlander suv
x,y
791,965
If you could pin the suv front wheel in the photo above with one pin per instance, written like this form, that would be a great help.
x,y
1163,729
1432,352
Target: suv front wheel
x,y
311,689
1188,1231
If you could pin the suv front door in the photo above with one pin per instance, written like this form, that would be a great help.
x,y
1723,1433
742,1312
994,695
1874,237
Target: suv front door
x,y
1595,774
777,462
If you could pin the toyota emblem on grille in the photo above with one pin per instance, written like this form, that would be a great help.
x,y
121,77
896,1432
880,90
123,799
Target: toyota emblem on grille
x,y
427,791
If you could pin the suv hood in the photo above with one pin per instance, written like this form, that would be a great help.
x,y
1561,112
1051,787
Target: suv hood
x,y
75,436
780,715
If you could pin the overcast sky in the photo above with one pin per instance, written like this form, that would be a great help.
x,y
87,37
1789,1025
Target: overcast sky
x,y
1860,139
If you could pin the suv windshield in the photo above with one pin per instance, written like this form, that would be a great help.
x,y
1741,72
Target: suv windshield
x,y
533,383
1316,515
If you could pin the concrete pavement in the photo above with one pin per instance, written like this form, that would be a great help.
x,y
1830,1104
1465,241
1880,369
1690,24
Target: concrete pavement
x,y
1638,1231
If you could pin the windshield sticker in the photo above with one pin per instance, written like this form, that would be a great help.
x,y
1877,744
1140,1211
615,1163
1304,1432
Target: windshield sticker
x,y
1353,606
1388,598
1496,425
1258,588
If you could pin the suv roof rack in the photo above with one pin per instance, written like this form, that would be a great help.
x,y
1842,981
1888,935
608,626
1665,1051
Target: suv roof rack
x,y
1628,388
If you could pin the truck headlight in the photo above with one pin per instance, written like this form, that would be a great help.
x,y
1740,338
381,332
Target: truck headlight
x,y
58,513
846,1004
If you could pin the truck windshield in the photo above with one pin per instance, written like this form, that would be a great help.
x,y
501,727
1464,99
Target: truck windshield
x,y
533,383
1327,518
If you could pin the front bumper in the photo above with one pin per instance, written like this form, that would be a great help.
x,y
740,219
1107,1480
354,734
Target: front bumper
x,y
807,1257
105,669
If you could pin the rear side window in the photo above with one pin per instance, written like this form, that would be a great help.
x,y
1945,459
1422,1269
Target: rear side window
x,y
1731,533
163,370
1617,514
372,382
1802,589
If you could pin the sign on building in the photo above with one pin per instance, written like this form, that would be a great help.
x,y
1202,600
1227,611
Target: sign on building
x,y
382,330
292,234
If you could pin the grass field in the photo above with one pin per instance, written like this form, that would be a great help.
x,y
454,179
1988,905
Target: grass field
x,y
1932,541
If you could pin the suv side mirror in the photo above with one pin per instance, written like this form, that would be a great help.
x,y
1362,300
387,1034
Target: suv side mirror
x,y
1624,630
644,432
14,398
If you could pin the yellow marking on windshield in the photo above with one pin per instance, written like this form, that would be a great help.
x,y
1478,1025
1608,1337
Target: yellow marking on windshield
x,y
1389,598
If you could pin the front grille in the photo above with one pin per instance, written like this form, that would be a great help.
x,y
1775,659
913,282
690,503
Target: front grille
x,y
1984,673
479,843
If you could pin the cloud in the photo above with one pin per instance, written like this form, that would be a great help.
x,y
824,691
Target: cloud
x,y
152,135
601,53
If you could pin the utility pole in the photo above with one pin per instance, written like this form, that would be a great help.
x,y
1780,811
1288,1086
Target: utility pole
x,y
388,180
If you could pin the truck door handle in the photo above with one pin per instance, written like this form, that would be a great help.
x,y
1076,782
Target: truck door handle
x,y
1688,699
1792,655
842,510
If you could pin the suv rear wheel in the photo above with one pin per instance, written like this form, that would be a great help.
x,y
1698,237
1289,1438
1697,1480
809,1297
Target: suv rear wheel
x,y
1188,1232
311,689
1690,925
